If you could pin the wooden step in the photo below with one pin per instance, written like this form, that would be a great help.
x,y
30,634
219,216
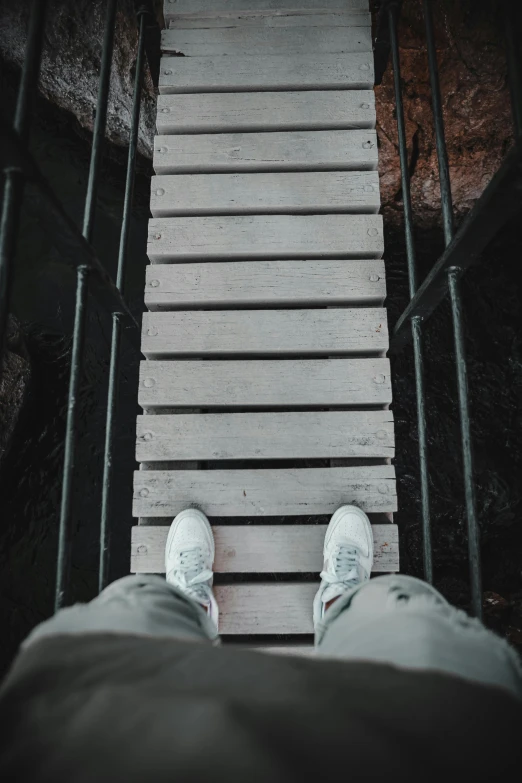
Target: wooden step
x,y
265,383
267,72
266,608
319,332
279,435
271,19
257,152
266,111
254,194
281,492
234,284
264,237
250,41
261,549
173,8
301,649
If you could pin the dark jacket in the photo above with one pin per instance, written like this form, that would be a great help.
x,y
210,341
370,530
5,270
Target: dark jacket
x,y
76,709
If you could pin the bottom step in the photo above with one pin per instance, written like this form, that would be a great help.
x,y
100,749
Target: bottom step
x,y
301,649
274,608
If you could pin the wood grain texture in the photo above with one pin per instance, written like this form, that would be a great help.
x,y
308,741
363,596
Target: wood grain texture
x,y
319,332
262,237
261,549
271,19
250,41
292,151
254,194
264,383
272,608
259,7
281,492
281,435
266,111
267,72
222,284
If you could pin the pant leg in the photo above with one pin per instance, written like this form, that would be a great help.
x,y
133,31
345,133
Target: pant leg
x,y
403,621
144,605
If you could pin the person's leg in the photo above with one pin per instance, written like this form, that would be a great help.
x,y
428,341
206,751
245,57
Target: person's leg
x,y
182,606
398,619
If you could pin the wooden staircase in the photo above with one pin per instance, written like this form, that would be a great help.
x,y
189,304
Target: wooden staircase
x,y
265,387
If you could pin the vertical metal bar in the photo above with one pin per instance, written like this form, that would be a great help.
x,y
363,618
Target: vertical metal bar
x,y
64,536
512,19
13,179
467,455
457,318
440,138
100,120
116,322
412,278
64,530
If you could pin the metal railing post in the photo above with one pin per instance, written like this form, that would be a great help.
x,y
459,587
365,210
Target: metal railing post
x,y
64,536
13,178
103,575
513,32
457,318
412,279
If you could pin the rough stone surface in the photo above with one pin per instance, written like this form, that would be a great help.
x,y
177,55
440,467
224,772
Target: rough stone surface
x,y
15,375
473,82
71,62
476,105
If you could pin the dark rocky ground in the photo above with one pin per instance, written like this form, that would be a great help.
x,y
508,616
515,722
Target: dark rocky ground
x,y
479,132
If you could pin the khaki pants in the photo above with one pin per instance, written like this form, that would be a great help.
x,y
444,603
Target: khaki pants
x,y
395,619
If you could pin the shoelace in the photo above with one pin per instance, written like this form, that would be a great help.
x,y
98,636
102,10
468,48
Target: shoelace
x,y
345,572
191,576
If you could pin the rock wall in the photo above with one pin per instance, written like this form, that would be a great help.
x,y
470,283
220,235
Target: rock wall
x,y
71,62
472,70
476,103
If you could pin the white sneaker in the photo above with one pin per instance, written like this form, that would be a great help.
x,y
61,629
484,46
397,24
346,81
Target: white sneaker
x,y
189,556
348,556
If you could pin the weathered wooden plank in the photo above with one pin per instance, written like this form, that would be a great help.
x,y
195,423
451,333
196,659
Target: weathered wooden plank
x,y
264,383
261,549
275,193
266,111
293,151
271,19
280,435
267,72
273,608
223,284
301,649
191,7
262,237
281,492
319,332
251,41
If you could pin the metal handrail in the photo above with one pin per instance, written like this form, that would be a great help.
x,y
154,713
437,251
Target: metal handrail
x,y
500,201
75,248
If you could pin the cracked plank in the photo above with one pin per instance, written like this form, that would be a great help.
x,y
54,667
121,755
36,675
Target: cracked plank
x,y
291,151
266,111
